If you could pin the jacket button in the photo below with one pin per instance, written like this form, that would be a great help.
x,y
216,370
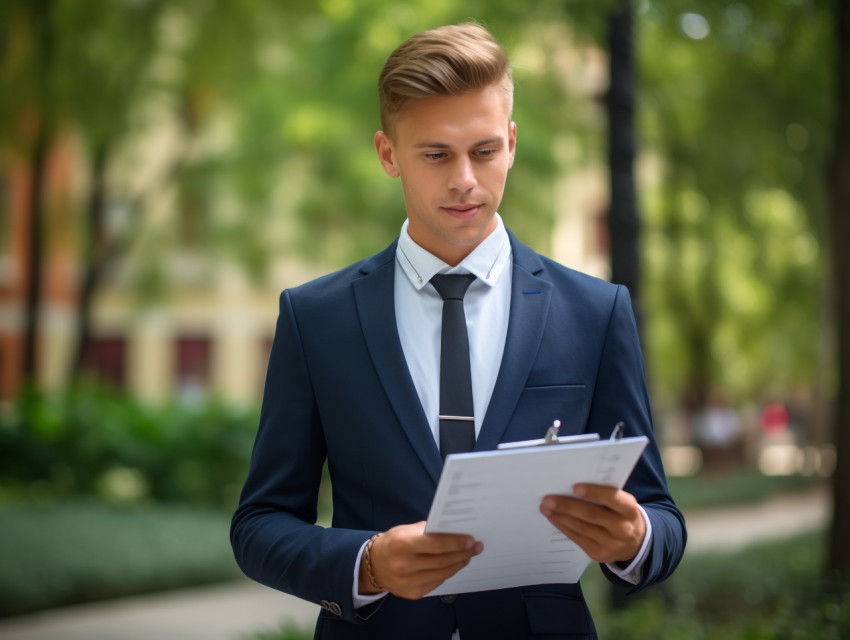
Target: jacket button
x,y
332,607
448,599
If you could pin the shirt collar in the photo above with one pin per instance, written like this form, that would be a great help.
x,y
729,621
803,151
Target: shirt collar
x,y
487,261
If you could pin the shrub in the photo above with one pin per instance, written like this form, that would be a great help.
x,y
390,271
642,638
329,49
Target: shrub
x,y
770,591
95,441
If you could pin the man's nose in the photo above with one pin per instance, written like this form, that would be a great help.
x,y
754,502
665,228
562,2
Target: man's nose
x,y
462,176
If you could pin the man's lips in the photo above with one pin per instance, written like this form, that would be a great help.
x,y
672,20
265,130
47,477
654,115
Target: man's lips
x,y
462,210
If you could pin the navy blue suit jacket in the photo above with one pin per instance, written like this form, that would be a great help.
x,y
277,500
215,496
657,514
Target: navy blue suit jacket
x,y
338,388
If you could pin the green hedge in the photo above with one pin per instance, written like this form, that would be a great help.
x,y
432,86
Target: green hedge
x,y
71,552
98,442
774,590
770,591
94,441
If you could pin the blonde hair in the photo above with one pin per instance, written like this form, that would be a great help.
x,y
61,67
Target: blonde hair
x,y
447,61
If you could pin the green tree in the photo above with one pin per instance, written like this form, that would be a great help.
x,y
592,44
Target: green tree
x,y
27,128
839,554
105,74
735,213
623,218
274,107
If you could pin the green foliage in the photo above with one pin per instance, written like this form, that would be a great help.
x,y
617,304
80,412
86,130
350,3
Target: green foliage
x,y
310,119
735,109
62,553
267,112
287,631
768,591
98,442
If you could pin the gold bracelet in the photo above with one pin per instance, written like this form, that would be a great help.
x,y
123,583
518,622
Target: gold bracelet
x,y
367,558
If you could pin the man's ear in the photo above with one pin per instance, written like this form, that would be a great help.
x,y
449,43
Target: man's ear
x,y
386,153
511,144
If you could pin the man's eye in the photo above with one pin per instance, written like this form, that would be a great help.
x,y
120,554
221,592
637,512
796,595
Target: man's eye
x,y
435,156
485,153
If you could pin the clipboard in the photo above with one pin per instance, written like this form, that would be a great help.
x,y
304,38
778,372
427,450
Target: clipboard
x,y
495,497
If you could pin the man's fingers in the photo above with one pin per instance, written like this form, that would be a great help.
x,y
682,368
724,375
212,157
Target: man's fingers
x,y
589,498
421,583
410,563
424,563
413,539
564,507
605,522
443,560
611,497
575,528
596,547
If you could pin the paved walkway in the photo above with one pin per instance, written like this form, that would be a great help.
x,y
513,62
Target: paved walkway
x,y
238,610
780,517
223,612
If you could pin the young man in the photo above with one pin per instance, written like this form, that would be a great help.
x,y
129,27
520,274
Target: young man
x,y
355,372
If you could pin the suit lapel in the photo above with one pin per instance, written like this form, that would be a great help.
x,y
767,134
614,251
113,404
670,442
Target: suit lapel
x,y
374,295
530,299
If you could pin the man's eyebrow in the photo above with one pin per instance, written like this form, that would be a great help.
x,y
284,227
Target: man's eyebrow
x,y
442,145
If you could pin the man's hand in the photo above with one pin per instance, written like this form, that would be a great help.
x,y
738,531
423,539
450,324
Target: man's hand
x,y
604,521
410,563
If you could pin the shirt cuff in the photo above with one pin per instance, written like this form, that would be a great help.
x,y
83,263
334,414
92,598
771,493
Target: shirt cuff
x,y
632,573
364,599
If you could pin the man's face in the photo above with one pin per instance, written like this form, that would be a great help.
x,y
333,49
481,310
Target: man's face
x,y
452,154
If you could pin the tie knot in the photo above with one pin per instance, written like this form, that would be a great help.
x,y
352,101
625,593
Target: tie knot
x,y
452,287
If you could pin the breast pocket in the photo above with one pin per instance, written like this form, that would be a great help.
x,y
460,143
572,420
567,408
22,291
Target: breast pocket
x,y
538,407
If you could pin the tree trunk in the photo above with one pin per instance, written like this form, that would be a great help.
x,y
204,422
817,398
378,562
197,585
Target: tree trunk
x,y
97,256
839,187
35,214
35,255
623,225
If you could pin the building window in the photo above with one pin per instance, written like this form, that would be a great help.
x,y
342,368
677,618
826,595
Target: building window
x,y
599,235
265,352
193,367
6,266
6,205
265,347
105,360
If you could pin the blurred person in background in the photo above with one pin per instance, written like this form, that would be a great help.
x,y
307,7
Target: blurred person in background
x,y
355,379
718,432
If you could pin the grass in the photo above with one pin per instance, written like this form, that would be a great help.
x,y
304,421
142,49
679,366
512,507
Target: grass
x,y
774,590
287,631
770,591
66,552
733,488
79,551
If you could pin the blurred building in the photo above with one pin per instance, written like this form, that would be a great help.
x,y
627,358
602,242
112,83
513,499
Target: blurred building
x,y
211,330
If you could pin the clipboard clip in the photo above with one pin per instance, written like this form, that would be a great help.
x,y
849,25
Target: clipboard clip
x,y
619,429
551,437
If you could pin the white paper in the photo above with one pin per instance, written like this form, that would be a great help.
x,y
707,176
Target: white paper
x,y
495,497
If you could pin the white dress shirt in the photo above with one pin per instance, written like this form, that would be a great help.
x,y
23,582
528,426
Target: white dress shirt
x,y
418,311
419,308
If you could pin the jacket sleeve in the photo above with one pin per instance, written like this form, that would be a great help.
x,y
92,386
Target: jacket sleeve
x,y
274,534
620,395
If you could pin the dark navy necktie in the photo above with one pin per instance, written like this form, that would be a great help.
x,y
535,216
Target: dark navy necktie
x,y
457,422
